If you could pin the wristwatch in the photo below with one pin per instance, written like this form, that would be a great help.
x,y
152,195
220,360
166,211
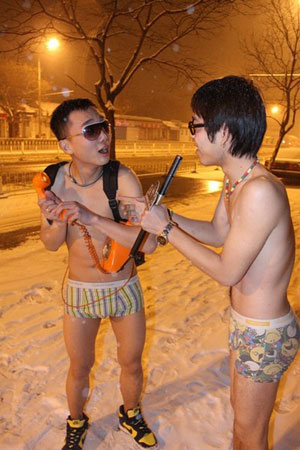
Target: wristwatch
x,y
162,238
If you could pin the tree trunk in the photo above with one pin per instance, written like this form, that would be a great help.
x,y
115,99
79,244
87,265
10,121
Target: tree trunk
x,y
10,129
13,127
110,115
276,149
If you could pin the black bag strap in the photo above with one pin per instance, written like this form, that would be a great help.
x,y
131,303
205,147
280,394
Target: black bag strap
x,y
52,170
110,186
110,183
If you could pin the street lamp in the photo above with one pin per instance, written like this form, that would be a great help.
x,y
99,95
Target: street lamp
x,y
39,98
52,45
275,109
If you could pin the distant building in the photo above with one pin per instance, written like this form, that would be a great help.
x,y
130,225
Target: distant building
x,y
129,128
136,128
27,121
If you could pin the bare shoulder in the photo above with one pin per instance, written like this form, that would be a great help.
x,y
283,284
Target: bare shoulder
x,y
264,194
128,182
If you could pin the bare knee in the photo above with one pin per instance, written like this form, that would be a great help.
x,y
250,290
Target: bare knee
x,y
81,369
131,366
252,435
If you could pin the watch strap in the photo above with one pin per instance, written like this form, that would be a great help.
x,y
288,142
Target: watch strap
x,y
165,232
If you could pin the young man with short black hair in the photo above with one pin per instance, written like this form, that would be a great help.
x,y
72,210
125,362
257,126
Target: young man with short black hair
x,y
252,224
76,211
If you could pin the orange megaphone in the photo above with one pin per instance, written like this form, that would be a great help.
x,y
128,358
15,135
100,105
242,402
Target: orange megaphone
x,y
40,181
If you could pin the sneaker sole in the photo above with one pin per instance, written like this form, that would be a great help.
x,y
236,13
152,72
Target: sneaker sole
x,y
156,447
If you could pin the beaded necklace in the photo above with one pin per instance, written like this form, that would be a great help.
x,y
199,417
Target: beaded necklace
x,y
228,192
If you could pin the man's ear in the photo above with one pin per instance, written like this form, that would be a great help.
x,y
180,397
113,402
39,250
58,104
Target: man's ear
x,y
65,146
225,134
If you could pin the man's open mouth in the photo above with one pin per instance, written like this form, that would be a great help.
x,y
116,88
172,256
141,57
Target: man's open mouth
x,y
103,150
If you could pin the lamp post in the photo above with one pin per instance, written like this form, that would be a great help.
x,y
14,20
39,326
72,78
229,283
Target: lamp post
x,y
39,98
52,45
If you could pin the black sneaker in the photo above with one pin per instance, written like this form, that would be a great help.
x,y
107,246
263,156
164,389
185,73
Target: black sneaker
x,y
76,433
133,423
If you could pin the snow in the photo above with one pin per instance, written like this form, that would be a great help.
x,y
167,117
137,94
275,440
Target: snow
x,y
186,389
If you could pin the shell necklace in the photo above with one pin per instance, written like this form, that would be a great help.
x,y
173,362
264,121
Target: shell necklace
x,y
79,184
228,192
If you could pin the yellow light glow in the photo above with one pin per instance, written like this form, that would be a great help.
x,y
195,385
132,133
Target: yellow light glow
x,y
214,186
275,109
53,44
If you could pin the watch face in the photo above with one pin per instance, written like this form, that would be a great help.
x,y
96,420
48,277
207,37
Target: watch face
x,y
161,240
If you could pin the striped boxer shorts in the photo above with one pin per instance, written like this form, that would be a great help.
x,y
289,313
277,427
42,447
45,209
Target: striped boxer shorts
x,y
99,300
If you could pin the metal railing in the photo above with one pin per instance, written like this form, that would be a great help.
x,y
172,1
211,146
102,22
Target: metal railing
x,y
154,148
20,146
34,147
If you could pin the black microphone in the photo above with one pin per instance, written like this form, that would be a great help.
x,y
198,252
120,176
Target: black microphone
x,y
160,195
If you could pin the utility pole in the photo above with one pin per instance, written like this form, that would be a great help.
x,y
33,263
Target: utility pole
x,y
39,98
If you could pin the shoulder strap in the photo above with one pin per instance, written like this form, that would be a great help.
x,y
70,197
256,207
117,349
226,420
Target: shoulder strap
x,y
110,186
52,170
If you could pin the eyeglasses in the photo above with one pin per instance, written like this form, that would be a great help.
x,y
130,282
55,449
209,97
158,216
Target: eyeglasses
x,y
192,126
92,131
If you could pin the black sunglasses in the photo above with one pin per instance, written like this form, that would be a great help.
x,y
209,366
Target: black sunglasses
x,y
192,126
92,132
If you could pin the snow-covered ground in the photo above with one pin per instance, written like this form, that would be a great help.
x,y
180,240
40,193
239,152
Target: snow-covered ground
x,y
186,393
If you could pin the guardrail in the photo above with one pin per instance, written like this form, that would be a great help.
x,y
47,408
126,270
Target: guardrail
x,y
19,147
154,148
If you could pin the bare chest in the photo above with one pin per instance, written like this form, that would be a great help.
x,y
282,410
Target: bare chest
x,y
92,197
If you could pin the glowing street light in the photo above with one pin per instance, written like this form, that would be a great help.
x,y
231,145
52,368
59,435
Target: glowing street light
x,y
275,111
52,45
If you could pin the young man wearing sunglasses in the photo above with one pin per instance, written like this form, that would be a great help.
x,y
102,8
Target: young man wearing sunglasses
x,y
252,224
77,202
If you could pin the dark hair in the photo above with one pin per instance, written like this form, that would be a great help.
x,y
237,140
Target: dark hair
x,y
60,116
236,103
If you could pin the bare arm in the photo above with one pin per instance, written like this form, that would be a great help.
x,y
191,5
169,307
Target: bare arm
x,y
211,232
257,212
53,233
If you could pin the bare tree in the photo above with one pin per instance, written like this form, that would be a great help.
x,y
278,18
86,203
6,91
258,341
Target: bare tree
x,y
122,36
18,86
275,56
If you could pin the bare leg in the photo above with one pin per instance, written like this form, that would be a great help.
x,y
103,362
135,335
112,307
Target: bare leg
x,y
253,404
130,335
80,336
